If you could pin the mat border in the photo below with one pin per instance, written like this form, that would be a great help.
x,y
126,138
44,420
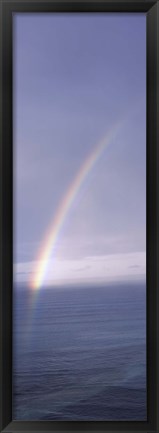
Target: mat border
x,y
7,9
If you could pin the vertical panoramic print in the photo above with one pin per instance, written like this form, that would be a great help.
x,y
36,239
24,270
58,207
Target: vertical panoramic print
x,y
79,280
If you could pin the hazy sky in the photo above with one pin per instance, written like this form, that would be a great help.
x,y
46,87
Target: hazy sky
x,y
75,76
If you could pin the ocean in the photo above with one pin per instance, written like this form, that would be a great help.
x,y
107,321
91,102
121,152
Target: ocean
x,y
79,353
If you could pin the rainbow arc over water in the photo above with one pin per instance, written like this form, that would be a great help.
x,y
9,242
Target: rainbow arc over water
x,y
49,242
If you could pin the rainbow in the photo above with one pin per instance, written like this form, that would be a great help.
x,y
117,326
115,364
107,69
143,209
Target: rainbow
x,y
50,241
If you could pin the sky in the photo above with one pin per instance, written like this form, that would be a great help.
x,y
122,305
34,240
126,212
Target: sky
x,y
75,77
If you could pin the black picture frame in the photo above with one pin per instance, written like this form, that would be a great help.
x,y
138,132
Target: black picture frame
x,y
7,9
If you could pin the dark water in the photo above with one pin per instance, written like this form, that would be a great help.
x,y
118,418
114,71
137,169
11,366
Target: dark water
x,y
80,354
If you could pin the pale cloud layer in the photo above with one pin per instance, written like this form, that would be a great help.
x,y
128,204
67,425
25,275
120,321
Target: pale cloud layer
x,y
130,266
